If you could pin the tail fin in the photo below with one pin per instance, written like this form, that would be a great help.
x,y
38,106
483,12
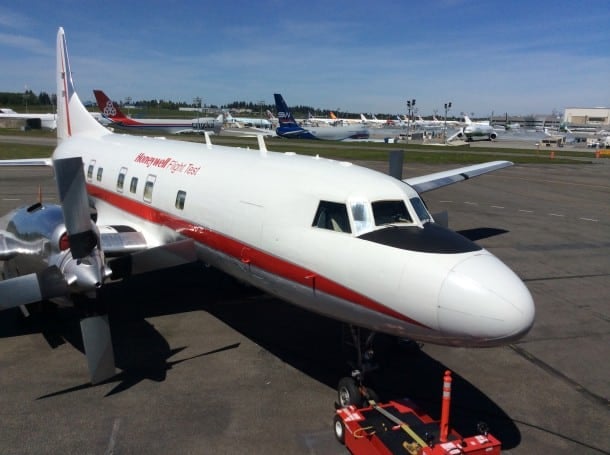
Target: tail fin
x,y
467,120
333,116
72,117
283,113
363,118
270,115
108,108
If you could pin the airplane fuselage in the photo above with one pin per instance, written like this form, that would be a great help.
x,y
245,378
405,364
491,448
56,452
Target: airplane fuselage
x,y
262,226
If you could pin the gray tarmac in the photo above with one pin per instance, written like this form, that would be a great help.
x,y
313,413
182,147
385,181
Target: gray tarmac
x,y
208,366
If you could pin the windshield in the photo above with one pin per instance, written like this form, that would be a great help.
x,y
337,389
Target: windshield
x,y
389,212
420,209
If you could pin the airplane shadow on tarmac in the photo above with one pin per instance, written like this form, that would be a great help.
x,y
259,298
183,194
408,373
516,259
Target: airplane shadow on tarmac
x,y
308,342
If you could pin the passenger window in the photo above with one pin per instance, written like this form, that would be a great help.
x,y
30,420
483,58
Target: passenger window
x,y
100,171
148,188
90,170
333,216
389,212
133,186
180,198
120,181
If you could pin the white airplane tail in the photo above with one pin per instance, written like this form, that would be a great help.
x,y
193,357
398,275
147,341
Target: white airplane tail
x,y
467,120
72,117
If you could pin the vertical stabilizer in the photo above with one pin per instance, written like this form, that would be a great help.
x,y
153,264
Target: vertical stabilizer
x,y
283,113
72,117
108,108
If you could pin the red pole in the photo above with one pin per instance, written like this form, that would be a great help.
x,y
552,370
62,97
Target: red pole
x,y
446,405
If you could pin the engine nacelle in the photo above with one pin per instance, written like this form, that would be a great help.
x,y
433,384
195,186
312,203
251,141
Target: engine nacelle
x,y
36,231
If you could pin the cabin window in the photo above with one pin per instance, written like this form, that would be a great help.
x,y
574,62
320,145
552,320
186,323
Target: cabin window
x,y
333,216
120,181
148,187
90,169
180,198
100,171
133,186
389,212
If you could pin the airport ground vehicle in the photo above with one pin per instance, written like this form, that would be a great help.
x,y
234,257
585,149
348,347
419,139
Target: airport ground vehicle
x,y
399,427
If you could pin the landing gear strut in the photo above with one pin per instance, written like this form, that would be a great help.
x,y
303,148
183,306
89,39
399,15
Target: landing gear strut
x,y
351,390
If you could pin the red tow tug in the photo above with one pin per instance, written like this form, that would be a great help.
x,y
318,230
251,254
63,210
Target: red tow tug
x,y
398,427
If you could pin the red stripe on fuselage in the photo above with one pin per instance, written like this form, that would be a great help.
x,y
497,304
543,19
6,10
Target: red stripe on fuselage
x,y
242,251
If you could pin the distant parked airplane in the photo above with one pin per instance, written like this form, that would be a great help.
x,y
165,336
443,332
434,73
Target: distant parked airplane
x,y
47,121
112,112
289,128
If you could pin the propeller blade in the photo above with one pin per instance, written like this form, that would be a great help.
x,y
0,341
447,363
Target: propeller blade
x,y
31,288
75,205
98,347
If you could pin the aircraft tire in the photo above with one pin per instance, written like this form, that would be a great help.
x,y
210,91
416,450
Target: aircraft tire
x,y
348,393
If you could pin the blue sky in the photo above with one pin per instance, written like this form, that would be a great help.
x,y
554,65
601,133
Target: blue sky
x,y
519,57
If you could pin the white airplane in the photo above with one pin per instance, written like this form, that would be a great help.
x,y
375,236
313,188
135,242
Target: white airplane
x,y
256,122
111,111
473,130
373,121
47,121
312,120
332,237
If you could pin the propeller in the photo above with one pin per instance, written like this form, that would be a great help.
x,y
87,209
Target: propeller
x,y
80,270
86,273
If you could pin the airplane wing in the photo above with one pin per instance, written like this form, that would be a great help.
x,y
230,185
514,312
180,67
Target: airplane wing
x,y
431,182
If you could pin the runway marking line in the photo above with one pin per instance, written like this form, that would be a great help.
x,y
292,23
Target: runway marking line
x,y
556,214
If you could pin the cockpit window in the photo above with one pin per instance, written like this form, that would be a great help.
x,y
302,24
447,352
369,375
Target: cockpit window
x,y
420,209
361,214
333,216
388,212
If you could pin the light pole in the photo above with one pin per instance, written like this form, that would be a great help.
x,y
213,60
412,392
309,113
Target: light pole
x,y
410,107
447,107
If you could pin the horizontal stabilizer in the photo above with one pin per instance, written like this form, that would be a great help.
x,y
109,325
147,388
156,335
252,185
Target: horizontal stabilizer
x,y
27,162
439,179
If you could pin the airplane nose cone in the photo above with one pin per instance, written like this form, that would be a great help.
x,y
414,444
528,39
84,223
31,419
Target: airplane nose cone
x,y
482,302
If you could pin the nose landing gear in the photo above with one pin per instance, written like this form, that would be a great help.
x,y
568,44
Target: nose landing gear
x,y
351,390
